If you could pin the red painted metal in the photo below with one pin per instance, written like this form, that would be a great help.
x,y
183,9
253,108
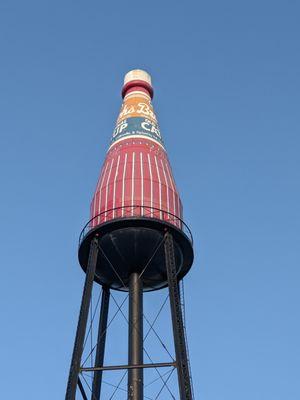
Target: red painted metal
x,y
136,170
137,84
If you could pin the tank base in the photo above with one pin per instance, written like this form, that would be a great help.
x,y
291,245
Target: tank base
x,y
127,245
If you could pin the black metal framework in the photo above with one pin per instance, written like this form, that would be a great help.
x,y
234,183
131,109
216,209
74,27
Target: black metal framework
x,y
136,364
177,321
135,211
127,242
97,381
81,389
82,321
135,337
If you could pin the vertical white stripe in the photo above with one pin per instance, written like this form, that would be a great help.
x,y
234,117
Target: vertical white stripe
x,y
114,191
142,183
179,211
151,185
167,186
132,182
102,172
99,180
159,181
173,189
100,193
123,184
179,208
106,195
94,207
171,175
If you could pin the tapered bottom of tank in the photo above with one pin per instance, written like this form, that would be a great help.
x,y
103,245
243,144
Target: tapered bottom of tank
x,y
136,244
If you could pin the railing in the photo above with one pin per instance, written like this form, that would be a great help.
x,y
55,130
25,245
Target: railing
x,y
135,211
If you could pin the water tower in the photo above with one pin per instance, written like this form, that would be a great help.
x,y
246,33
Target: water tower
x,y
135,241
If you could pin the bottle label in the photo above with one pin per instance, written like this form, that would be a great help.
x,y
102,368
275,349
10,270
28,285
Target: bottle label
x,y
137,126
137,119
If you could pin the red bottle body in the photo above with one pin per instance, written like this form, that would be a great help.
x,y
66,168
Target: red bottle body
x,y
136,178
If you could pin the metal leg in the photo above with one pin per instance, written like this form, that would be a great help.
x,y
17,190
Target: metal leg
x,y
81,389
97,381
135,345
177,321
83,316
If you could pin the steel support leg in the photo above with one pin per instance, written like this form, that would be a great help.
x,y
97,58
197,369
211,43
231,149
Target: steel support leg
x,y
81,389
97,381
177,322
135,343
82,321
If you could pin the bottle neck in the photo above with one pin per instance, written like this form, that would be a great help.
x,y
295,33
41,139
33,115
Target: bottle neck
x,y
137,118
137,86
137,104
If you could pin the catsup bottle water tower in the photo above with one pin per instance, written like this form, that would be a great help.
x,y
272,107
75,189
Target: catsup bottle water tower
x,y
135,240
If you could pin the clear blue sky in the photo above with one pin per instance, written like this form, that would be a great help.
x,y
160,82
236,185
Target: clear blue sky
x,y
227,84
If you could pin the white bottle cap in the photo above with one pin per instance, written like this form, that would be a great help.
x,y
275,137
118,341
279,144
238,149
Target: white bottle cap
x,y
137,75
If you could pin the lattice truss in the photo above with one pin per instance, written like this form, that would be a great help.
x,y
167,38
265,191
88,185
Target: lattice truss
x,y
159,383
